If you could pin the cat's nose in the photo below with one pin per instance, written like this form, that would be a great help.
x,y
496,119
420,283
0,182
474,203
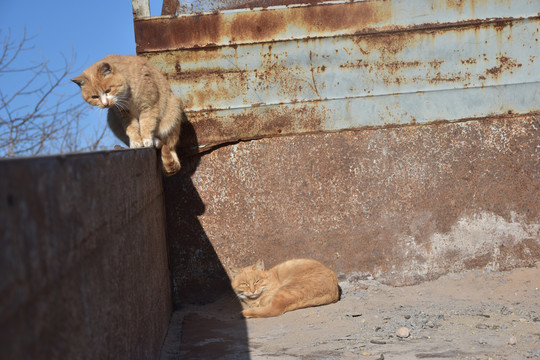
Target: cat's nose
x,y
105,101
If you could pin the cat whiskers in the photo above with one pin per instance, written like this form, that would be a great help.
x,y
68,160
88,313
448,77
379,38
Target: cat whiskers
x,y
121,104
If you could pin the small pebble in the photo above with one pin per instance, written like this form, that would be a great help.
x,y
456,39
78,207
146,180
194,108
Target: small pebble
x,y
407,316
512,341
403,332
505,311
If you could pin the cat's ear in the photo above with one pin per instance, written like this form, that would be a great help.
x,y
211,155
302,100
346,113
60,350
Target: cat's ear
x,y
79,80
259,265
233,270
105,69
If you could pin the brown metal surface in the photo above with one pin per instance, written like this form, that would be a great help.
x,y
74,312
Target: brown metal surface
x,y
401,204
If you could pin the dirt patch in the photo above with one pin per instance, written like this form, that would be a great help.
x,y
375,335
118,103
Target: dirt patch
x,y
471,315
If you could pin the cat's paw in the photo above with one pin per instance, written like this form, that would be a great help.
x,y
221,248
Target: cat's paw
x,y
248,313
171,165
135,145
157,143
148,142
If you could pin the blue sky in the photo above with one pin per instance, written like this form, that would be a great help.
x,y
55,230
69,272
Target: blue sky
x,y
91,29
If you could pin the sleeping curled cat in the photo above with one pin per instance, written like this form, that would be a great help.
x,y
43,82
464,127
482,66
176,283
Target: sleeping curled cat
x,y
142,109
294,284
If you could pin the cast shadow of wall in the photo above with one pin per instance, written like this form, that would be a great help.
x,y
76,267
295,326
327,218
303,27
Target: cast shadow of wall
x,y
198,276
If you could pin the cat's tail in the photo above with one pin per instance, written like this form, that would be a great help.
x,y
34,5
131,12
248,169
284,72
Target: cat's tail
x,y
169,160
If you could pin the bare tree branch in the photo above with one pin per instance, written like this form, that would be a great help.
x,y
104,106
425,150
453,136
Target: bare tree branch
x,y
36,117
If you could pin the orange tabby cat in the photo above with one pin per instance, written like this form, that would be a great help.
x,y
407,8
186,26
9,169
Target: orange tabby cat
x,y
291,285
143,110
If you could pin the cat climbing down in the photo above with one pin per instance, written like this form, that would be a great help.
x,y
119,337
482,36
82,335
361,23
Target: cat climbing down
x,y
142,109
291,285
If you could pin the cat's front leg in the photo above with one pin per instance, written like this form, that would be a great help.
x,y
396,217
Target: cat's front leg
x,y
125,127
148,124
134,134
262,312
158,144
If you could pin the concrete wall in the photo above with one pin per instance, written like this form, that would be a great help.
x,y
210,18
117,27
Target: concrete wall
x,y
84,271
402,204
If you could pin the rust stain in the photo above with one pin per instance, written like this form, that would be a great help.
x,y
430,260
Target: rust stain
x,y
468,61
247,126
461,5
438,78
505,64
392,43
170,33
331,18
435,64
257,26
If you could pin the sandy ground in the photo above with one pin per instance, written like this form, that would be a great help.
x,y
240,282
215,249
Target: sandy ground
x,y
472,315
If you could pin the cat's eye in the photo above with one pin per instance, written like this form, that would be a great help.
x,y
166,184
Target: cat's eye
x,y
95,96
107,91
256,282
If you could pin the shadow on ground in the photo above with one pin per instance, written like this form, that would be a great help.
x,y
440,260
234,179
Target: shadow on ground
x,y
197,274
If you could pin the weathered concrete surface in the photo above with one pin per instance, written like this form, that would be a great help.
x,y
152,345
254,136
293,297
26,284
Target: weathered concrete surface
x,y
404,204
84,259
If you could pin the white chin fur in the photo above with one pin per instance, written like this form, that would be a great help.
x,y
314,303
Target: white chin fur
x,y
104,101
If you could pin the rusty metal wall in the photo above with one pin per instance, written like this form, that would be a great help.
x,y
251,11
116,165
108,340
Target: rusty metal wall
x,y
84,272
401,204
397,138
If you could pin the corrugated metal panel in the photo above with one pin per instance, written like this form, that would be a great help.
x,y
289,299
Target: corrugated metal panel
x,y
338,65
